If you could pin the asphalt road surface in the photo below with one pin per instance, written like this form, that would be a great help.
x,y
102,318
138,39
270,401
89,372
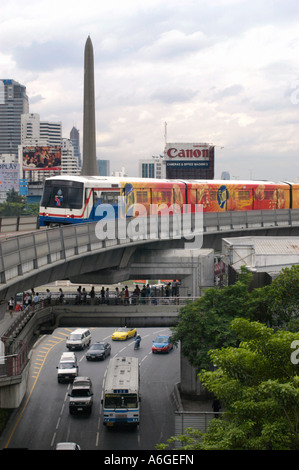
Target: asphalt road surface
x,y
43,419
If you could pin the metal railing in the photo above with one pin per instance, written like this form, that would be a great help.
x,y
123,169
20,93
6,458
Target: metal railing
x,y
13,365
22,254
199,420
20,321
73,299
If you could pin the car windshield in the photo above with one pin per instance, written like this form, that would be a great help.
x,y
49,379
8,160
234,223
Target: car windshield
x,y
122,330
67,365
81,393
161,340
75,336
121,401
97,346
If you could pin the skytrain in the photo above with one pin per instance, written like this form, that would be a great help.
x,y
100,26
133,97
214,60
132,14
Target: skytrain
x,y
79,199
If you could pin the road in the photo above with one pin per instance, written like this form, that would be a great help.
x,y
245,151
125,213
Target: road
x,y
43,418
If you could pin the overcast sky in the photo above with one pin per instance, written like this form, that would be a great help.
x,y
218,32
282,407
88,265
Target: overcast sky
x,y
219,71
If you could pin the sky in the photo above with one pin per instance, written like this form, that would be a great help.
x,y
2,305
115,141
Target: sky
x,y
225,72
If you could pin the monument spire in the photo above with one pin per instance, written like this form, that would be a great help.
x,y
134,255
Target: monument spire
x,y
89,167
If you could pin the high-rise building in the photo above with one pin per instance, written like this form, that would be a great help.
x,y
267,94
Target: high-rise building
x,y
13,103
52,131
33,130
75,138
151,168
69,163
104,167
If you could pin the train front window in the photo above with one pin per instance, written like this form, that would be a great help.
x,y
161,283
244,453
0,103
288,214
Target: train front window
x,y
63,194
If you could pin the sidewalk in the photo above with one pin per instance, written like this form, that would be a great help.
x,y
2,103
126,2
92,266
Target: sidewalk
x,y
5,318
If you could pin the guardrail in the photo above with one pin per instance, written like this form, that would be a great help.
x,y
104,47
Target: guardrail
x,y
22,254
13,365
221,221
19,223
21,320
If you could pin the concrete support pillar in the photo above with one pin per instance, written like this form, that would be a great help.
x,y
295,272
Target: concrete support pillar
x,y
193,267
190,385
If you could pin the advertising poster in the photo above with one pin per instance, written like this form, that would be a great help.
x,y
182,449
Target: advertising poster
x,y
9,176
42,158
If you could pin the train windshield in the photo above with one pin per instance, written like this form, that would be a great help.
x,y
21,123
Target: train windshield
x,y
63,194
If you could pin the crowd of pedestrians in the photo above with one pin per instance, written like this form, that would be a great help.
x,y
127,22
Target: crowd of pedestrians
x,y
118,296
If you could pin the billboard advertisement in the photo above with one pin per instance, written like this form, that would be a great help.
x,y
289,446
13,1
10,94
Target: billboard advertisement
x,y
189,160
187,152
42,158
9,176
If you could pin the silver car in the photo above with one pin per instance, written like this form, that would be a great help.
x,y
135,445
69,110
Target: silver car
x,y
81,396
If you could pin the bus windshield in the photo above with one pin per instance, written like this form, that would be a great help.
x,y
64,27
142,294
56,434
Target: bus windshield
x,y
113,400
63,194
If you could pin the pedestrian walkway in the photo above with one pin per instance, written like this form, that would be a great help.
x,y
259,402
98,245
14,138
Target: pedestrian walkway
x,y
5,318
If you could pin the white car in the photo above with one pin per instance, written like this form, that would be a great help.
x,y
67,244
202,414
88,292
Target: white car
x,y
67,446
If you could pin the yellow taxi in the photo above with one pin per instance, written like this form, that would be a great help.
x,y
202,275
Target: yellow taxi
x,y
122,334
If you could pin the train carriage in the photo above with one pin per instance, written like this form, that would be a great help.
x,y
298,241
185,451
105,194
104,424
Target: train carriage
x,y
220,196
77,199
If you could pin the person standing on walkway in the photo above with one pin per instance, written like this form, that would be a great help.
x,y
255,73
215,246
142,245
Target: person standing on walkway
x,y
36,298
61,295
127,295
92,296
107,296
11,303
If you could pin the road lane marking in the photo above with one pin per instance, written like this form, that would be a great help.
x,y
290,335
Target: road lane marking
x,y
29,396
53,439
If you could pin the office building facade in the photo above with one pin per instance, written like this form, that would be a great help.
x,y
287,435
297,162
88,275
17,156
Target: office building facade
x,y
103,167
13,103
75,138
151,168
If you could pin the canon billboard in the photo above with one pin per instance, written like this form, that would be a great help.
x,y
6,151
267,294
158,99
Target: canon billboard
x,y
189,160
186,151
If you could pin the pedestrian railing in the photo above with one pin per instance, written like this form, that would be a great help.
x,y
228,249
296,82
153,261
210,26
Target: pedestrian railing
x,y
14,364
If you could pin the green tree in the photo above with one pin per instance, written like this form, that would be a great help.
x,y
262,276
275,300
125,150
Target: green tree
x,y
14,196
283,299
205,324
258,384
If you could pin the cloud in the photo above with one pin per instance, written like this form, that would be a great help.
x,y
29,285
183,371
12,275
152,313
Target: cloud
x,y
173,95
48,56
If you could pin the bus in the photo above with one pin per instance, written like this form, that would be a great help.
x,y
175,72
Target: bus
x,y
121,392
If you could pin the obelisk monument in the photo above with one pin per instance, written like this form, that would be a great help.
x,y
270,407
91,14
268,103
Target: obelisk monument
x,y
89,167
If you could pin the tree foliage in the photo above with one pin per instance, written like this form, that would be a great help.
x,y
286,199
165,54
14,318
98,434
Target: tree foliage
x,y
205,324
15,205
258,385
242,342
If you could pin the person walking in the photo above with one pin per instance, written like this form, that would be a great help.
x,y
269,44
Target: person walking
x,y
61,295
48,297
11,304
